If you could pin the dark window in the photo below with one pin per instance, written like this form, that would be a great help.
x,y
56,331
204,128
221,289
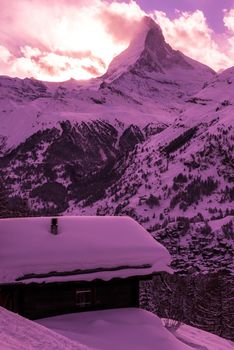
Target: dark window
x,y
83,297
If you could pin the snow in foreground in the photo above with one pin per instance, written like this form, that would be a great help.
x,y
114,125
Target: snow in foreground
x,y
131,329
18,333
125,329
202,340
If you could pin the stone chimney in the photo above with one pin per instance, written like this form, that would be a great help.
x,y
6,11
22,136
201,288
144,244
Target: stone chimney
x,y
54,226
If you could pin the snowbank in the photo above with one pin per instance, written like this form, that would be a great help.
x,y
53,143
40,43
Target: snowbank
x,y
132,329
125,329
202,340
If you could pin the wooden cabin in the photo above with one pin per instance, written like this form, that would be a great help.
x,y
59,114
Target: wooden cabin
x,y
51,266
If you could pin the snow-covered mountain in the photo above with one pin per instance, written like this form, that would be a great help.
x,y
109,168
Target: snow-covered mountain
x,y
149,67
148,82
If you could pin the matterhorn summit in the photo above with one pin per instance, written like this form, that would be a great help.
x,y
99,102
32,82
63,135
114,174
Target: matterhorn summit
x,y
150,57
148,50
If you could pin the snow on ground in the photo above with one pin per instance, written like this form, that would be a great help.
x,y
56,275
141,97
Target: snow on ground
x,y
117,329
131,329
217,224
82,243
125,329
18,333
202,340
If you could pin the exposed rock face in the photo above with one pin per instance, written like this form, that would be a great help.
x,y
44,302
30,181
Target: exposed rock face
x,y
157,55
130,138
89,144
154,128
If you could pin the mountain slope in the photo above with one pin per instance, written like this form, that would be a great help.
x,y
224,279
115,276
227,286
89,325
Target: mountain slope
x,y
179,184
215,100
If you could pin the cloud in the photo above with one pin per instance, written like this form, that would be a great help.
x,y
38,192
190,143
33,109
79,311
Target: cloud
x,y
60,39
229,19
190,33
92,70
121,20
5,54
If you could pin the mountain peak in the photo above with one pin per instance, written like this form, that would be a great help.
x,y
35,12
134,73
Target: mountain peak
x,y
148,52
152,34
147,24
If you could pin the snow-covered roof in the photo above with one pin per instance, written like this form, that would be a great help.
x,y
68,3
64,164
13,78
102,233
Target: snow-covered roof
x,y
85,248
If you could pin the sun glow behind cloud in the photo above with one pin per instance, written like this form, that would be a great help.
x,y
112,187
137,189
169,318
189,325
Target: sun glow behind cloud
x,y
61,39
57,40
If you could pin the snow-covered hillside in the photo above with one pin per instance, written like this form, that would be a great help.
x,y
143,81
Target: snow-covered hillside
x,y
177,183
214,101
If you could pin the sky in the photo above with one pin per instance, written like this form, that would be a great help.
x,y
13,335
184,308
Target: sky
x,y
57,40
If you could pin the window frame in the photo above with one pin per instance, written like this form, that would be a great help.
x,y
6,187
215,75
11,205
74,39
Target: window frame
x,y
86,297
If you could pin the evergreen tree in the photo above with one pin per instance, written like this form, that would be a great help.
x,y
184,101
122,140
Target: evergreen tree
x,y
12,206
4,210
147,299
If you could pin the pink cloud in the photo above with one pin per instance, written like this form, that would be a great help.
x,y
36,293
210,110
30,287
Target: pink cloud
x,y
229,19
5,54
44,37
92,70
121,19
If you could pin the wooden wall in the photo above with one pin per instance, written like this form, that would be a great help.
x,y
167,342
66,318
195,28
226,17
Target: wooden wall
x,y
48,299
